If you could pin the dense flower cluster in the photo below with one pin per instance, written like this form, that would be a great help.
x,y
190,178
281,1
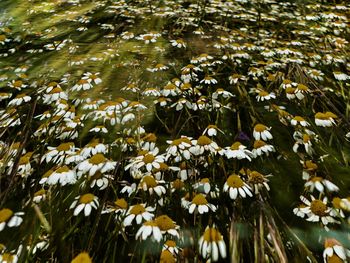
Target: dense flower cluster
x,y
181,129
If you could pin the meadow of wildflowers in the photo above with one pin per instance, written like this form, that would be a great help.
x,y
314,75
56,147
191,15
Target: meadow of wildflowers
x,y
174,131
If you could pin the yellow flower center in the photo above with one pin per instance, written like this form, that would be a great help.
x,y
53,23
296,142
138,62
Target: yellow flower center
x,y
150,223
302,87
97,159
235,146
148,158
55,90
2,37
137,210
164,223
205,180
5,214
170,243
186,86
149,181
287,81
40,192
24,160
151,137
299,118
203,140
235,181
86,198
121,203
170,86
256,178
21,95
166,257
7,257
180,140
316,179
130,140
260,128
212,235
334,259
48,173
82,81
52,84
318,208
321,116
147,37
263,93
177,184
331,115
258,144
306,138
83,257
63,169
309,165
17,83
64,146
163,167
97,175
330,242
290,90
336,202
199,199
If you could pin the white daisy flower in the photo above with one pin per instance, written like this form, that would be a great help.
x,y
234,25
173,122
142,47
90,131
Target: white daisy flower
x,y
235,186
170,245
320,184
59,153
261,147
39,196
17,84
99,129
83,84
92,77
19,99
200,204
298,120
97,162
212,244
203,144
334,247
138,212
340,76
305,140
167,226
101,180
208,80
317,210
179,43
9,218
92,148
84,202
150,184
261,132
220,92
264,95
170,90
149,229
211,130
62,175
54,95
149,160
258,181
325,119
237,151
